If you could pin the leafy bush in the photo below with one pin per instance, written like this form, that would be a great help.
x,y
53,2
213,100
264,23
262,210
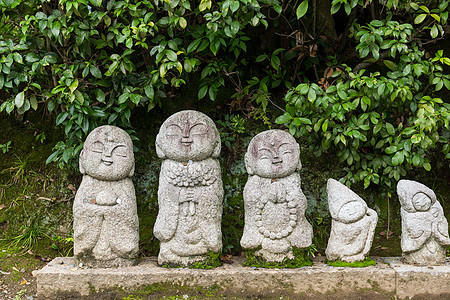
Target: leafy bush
x,y
373,100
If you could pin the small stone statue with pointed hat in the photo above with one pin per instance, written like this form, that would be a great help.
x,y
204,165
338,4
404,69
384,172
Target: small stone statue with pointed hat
x,y
352,226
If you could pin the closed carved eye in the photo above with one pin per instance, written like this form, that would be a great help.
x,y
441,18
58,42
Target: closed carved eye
x,y
198,129
265,154
285,148
97,147
120,151
173,130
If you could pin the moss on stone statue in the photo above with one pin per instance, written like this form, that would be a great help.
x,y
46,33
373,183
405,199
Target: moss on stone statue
x,y
212,260
357,264
301,260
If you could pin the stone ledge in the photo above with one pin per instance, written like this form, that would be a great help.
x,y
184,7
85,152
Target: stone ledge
x,y
62,277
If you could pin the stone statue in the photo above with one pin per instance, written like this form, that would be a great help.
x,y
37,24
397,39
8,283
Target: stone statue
x,y
106,225
190,192
352,226
274,202
424,227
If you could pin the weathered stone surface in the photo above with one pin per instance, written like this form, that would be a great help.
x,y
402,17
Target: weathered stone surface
x,y
106,225
190,192
352,226
424,227
423,282
62,277
274,202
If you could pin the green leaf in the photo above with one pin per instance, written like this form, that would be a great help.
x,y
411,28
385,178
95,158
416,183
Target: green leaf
x,y
18,101
234,6
311,95
261,58
33,102
302,9
32,57
79,96
299,121
182,22
95,72
123,98
99,95
149,91
427,166
283,118
74,85
390,64
434,31
192,46
391,149
97,3
61,117
390,129
202,92
419,19
235,27
335,8
398,158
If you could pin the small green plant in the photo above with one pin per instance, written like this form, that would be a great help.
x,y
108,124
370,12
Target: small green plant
x,y
19,295
5,147
357,264
30,233
62,244
230,128
41,137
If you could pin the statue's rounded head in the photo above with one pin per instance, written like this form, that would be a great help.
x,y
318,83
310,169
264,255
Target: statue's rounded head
x,y
188,135
107,154
415,196
345,205
272,154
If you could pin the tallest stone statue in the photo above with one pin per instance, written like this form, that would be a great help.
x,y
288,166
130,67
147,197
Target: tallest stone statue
x,y
190,192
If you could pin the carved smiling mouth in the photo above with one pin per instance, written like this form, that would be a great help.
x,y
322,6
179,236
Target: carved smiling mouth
x,y
107,162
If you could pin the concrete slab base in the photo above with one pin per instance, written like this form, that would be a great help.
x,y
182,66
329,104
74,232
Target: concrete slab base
x,y
61,278
415,281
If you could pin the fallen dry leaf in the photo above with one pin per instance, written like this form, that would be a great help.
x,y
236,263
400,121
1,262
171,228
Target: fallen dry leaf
x,y
72,188
44,259
227,259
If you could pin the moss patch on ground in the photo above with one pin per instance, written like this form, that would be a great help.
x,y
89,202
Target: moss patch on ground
x,y
301,260
357,264
212,260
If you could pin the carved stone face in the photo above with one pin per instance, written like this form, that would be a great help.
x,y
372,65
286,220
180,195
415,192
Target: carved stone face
x,y
421,202
352,211
188,135
107,154
272,154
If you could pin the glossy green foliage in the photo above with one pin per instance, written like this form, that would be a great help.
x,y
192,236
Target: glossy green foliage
x,y
382,123
93,62
376,102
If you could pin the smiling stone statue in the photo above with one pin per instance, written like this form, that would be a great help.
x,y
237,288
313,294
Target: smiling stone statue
x,y
274,202
424,226
190,192
106,225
